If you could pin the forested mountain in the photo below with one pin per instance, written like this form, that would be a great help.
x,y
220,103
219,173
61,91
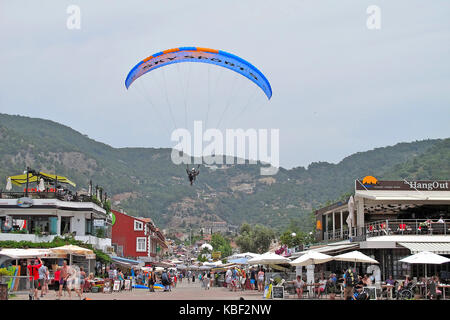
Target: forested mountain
x,y
144,181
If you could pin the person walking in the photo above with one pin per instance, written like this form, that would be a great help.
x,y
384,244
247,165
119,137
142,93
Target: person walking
x,y
206,280
82,279
349,283
151,280
252,278
261,280
43,274
63,279
33,272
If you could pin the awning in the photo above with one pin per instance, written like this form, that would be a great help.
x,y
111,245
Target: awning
x,y
21,179
329,248
435,247
126,261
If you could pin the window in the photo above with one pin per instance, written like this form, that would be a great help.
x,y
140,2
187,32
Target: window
x,y
138,225
141,244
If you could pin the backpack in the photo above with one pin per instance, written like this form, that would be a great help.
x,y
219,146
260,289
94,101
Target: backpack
x,y
350,279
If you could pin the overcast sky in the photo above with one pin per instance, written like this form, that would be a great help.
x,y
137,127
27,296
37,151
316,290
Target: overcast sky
x,y
338,87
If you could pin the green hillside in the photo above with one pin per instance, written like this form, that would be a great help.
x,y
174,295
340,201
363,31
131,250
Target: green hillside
x,y
144,181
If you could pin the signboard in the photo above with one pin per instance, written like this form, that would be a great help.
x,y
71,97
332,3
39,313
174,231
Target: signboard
x,y
371,292
116,285
127,285
99,223
278,292
216,254
24,202
107,287
422,185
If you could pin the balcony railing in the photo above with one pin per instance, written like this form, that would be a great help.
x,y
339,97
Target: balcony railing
x,y
63,196
391,227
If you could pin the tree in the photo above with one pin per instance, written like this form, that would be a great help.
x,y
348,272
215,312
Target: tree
x,y
220,243
255,239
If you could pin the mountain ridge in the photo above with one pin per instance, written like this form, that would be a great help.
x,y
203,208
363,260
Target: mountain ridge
x,y
146,183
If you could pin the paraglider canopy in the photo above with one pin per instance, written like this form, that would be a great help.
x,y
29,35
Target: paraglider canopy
x,y
204,55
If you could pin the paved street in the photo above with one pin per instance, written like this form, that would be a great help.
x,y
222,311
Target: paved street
x,y
183,291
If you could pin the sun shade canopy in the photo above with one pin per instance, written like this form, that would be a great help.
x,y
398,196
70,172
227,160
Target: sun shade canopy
x,y
21,179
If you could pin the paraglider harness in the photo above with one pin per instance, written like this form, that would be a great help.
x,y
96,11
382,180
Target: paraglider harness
x,y
192,173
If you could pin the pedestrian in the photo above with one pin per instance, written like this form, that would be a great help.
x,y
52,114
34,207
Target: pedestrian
x,y
82,279
63,279
73,280
252,278
261,280
165,280
211,278
43,273
33,272
56,280
349,283
228,276
151,280
206,280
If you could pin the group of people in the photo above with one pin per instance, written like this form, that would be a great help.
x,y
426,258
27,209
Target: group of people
x,y
238,278
66,278
432,283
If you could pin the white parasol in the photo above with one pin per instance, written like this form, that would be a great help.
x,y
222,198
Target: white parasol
x,y
8,184
268,258
425,257
355,256
311,257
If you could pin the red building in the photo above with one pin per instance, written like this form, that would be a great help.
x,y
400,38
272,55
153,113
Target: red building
x,y
136,237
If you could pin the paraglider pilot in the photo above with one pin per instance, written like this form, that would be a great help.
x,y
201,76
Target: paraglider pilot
x,y
192,173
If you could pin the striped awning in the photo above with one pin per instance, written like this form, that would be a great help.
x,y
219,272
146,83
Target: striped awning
x,y
435,247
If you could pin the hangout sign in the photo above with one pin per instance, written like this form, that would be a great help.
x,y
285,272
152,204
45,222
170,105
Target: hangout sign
x,y
371,183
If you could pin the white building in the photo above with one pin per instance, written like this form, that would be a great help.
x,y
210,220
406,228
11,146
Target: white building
x,y
40,220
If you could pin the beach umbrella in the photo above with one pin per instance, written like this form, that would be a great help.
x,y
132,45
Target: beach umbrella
x,y
207,245
8,184
239,261
355,256
311,257
205,268
351,209
41,185
181,267
74,250
425,257
247,255
268,258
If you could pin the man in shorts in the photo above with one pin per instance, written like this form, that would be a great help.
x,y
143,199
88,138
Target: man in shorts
x,y
64,275
42,278
33,272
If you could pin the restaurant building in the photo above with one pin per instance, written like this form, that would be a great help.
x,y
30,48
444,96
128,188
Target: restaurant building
x,y
137,238
388,220
41,216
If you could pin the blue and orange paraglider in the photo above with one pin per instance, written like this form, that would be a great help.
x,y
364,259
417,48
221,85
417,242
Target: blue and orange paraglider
x,y
204,55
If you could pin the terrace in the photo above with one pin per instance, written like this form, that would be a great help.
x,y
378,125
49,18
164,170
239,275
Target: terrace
x,y
391,227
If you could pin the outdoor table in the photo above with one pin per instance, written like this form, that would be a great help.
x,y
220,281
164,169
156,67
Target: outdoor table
x,y
389,287
444,286
421,287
